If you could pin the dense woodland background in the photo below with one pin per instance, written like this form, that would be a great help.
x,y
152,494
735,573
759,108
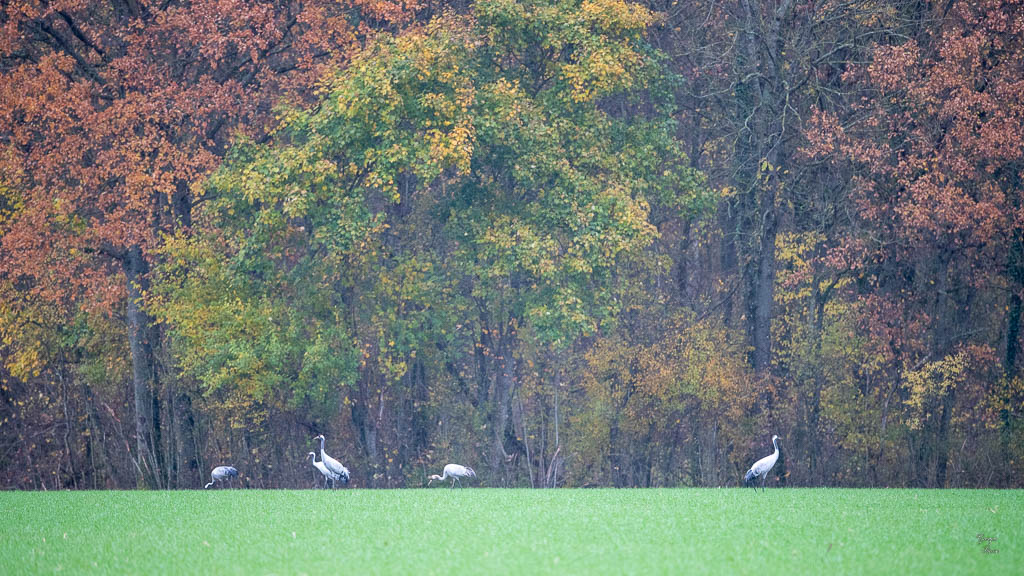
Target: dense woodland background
x,y
569,243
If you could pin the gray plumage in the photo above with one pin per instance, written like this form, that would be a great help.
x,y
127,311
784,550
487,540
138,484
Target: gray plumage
x,y
761,468
332,464
455,472
222,474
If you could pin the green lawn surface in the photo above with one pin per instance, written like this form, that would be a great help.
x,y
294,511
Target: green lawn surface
x,y
511,531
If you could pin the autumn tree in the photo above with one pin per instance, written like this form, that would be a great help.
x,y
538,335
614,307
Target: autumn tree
x,y
538,134
487,236
937,191
111,113
756,72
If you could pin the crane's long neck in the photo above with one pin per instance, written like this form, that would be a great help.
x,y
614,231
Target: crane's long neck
x,y
444,474
321,449
775,442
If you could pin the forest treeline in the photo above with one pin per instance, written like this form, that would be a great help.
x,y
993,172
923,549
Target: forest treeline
x,y
565,242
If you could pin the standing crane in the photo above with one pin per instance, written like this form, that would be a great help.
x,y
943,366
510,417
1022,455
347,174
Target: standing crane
x,y
222,474
455,472
762,467
331,464
328,475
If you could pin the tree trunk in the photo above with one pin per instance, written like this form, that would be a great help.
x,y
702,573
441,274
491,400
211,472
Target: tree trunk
x,y
362,417
558,443
761,99
764,292
143,375
945,312
942,448
189,469
1013,311
1013,315
503,385
727,256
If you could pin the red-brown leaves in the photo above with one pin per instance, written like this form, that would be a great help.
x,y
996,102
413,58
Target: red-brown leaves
x,y
111,115
944,130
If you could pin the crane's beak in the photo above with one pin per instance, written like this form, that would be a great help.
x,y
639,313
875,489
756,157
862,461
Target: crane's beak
x,y
429,481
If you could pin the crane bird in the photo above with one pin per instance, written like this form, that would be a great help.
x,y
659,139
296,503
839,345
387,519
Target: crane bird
x,y
455,472
222,474
328,475
762,467
331,464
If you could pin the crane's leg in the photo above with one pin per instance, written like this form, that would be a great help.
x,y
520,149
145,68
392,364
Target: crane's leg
x,y
453,483
765,481
459,481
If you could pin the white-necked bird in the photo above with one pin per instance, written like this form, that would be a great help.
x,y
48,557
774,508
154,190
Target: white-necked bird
x,y
455,472
328,475
762,467
332,464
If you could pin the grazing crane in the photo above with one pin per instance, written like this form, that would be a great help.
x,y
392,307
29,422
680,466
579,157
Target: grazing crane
x,y
454,471
222,474
762,466
331,464
328,475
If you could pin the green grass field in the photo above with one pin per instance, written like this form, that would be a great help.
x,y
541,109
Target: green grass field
x,y
493,531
